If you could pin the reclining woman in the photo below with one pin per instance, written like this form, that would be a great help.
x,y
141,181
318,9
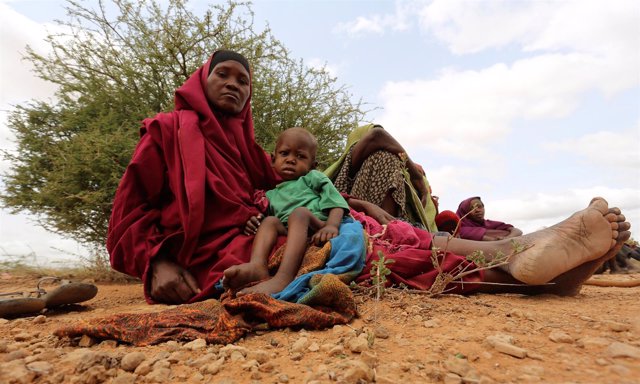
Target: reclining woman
x,y
183,202
474,226
380,183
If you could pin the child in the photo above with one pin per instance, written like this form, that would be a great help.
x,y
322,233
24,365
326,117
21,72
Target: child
x,y
306,199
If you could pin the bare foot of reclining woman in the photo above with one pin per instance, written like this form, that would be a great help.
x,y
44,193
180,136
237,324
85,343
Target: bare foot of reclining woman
x,y
565,255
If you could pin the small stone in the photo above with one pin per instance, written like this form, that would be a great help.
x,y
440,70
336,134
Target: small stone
x,y
132,360
172,346
300,345
618,349
203,360
452,378
86,341
124,378
602,362
336,350
620,369
40,367
236,356
249,365
159,375
144,368
227,350
369,358
16,372
109,344
179,356
195,345
616,326
358,344
16,355
296,356
267,367
381,332
314,347
358,372
214,367
40,319
560,337
283,378
432,323
510,349
22,336
589,341
260,355
457,365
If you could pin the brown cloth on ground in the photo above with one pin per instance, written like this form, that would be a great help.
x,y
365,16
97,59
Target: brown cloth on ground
x,y
329,302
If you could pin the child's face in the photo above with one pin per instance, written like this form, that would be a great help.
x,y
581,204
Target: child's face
x,y
294,156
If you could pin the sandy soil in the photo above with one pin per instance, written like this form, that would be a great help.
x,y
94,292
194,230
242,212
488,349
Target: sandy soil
x,y
406,338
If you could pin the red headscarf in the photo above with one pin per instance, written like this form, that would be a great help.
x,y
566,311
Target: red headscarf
x,y
188,190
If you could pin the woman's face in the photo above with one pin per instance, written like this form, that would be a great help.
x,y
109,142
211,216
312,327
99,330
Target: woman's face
x,y
228,87
478,210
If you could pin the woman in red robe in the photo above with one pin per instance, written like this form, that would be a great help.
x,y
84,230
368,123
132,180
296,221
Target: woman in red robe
x,y
182,203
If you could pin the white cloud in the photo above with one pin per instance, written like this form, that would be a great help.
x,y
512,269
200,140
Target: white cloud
x,y
473,108
621,148
538,210
19,236
17,79
586,26
400,20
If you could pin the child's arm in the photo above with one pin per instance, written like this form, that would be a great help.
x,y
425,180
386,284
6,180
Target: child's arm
x,y
330,228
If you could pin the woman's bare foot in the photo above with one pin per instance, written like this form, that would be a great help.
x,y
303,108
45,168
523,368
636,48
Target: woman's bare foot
x,y
273,285
570,282
240,275
585,236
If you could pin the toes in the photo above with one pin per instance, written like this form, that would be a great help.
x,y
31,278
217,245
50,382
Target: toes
x,y
624,226
614,210
600,204
611,217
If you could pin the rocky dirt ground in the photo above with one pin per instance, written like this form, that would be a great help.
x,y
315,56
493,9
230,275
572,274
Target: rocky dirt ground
x,y
405,338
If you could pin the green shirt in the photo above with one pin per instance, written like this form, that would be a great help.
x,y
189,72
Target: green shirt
x,y
313,190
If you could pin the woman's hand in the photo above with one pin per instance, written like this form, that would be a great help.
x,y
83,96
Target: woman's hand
x,y
416,174
251,228
171,284
324,234
421,189
372,210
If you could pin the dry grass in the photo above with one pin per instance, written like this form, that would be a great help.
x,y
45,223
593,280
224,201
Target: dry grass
x,y
95,268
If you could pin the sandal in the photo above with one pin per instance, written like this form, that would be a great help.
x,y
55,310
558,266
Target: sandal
x,y
32,302
17,304
67,292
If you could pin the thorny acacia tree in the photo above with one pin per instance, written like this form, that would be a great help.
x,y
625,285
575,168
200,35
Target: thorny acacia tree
x,y
121,62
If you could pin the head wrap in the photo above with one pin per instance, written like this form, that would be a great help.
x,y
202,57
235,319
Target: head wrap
x,y
447,221
226,55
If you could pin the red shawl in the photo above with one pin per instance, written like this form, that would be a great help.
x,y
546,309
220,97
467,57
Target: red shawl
x,y
473,230
188,190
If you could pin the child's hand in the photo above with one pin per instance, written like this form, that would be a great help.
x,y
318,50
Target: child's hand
x,y
324,234
251,228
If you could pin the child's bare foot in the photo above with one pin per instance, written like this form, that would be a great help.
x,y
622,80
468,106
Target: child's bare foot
x,y
273,285
585,236
240,275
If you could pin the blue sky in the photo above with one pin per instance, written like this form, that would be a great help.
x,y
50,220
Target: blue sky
x,y
533,105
